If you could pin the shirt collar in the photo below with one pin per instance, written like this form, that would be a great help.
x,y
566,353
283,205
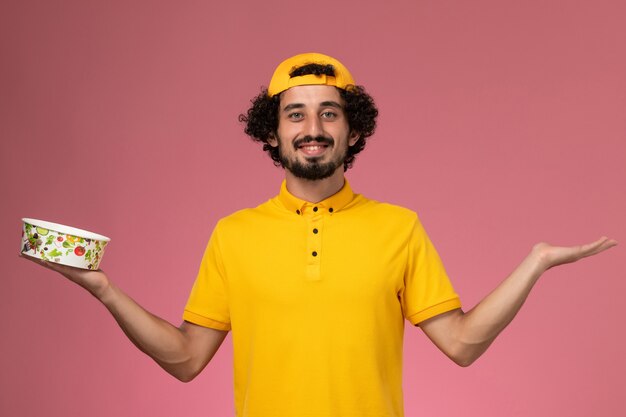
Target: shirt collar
x,y
333,204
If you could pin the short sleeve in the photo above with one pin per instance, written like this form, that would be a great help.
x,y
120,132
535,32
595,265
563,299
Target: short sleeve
x,y
208,302
427,290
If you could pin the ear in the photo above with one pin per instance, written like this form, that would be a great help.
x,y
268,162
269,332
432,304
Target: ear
x,y
353,138
272,141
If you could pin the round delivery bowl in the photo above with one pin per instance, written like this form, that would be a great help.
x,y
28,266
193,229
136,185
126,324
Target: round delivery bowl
x,y
62,244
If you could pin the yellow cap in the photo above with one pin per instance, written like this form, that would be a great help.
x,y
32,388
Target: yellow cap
x,y
281,80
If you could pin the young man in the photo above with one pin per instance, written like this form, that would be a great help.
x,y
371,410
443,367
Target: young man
x,y
315,284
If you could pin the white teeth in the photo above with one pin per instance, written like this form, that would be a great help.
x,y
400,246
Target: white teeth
x,y
311,148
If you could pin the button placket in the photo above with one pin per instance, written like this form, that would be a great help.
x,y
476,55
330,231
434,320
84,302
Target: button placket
x,y
315,222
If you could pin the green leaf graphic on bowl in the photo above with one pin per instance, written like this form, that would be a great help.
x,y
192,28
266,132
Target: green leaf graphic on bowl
x,y
34,242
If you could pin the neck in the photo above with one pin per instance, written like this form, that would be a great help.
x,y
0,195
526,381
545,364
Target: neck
x,y
314,191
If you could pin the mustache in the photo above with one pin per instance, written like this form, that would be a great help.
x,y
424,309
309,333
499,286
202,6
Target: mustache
x,y
319,139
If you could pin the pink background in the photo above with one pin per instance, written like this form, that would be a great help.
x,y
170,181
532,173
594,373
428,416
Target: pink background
x,y
502,124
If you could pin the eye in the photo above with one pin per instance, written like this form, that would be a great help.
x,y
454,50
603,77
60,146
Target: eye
x,y
295,116
329,115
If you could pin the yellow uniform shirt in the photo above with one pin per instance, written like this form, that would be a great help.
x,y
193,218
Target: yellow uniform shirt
x,y
316,296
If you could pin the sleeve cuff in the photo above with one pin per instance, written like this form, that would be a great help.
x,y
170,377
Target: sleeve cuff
x,y
435,310
195,318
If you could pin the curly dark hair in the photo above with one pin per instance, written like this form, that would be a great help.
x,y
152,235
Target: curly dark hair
x,y
261,118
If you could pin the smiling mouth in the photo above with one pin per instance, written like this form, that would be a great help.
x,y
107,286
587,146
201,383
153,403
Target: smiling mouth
x,y
312,149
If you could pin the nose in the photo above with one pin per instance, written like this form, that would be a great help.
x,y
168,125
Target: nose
x,y
313,127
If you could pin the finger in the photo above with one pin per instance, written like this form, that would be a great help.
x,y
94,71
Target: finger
x,y
34,260
607,244
598,246
48,265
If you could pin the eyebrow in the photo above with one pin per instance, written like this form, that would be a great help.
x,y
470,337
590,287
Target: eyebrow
x,y
332,104
293,106
322,104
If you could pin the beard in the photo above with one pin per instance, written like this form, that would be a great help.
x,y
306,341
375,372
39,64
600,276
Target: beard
x,y
312,169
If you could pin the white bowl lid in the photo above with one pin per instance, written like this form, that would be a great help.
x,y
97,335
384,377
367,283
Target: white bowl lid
x,y
66,229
